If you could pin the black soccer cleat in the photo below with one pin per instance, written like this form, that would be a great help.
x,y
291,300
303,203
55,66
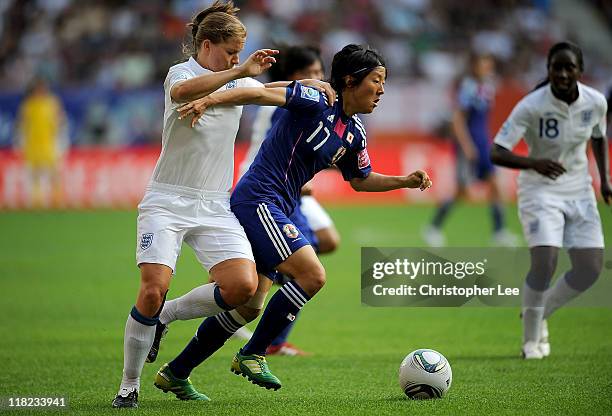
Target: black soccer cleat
x,y
126,399
160,331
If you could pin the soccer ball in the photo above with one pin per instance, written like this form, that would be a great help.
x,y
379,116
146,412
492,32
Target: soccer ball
x,y
425,374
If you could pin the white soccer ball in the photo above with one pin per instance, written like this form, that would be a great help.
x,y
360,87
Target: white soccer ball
x,y
425,374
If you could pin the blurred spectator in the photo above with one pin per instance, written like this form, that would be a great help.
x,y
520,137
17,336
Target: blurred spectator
x,y
119,45
42,132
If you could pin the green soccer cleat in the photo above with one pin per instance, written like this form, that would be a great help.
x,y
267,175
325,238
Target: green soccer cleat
x,y
255,368
182,389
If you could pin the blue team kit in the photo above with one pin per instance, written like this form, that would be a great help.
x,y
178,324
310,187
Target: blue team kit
x,y
475,99
307,137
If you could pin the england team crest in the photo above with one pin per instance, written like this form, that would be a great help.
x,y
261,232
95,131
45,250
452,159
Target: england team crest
x,y
290,231
586,117
146,240
232,84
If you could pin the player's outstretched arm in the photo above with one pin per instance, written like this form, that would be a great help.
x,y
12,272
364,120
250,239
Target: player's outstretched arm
x,y
600,151
202,85
377,182
236,96
324,87
547,167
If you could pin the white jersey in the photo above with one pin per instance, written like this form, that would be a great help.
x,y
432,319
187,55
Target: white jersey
x,y
200,158
555,130
261,125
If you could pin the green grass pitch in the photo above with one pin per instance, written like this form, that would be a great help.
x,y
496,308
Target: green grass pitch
x,y
68,281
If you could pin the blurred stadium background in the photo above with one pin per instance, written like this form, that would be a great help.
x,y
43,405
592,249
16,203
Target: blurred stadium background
x,y
106,61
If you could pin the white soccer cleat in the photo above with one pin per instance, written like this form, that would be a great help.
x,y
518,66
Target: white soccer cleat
x,y
504,238
531,351
543,344
433,236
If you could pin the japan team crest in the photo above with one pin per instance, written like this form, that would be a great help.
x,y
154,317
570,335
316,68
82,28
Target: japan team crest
x,y
146,240
339,153
290,230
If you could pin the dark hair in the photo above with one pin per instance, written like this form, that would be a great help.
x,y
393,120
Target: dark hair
x,y
354,60
292,59
562,46
217,23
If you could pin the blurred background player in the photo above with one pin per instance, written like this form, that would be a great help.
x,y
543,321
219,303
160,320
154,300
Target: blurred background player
x,y
294,63
470,129
557,205
43,140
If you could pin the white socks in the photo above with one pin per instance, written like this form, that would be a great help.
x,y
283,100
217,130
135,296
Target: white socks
x,y
558,295
533,311
137,342
198,303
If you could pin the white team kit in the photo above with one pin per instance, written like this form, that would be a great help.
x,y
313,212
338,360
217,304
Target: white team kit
x,y
561,212
187,198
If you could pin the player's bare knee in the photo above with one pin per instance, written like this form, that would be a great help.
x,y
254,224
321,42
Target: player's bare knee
x,y
240,292
590,271
313,280
329,240
152,296
329,244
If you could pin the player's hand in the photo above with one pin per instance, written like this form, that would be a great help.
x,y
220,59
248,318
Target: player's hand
x,y
549,168
194,108
419,179
606,192
324,87
258,62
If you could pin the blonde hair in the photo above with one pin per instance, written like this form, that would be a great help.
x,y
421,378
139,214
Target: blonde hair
x,y
216,23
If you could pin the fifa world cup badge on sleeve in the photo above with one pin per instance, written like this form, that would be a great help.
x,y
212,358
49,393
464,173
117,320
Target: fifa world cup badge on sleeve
x,y
310,94
146,240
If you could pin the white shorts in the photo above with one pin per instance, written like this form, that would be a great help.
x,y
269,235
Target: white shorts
x,y
205,223
316,216
561,223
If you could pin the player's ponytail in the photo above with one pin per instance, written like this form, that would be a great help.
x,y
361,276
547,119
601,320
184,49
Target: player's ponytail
x,y
217,23
355,61
557,47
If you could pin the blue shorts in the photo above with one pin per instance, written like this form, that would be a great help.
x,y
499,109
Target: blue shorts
x,y
273,236
481,169
301,222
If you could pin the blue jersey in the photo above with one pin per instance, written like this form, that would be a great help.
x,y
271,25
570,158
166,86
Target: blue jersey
x,y
307,137
475,99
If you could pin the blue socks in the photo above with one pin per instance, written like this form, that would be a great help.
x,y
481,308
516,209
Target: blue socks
x,y
441,213
281,311
498,217
282,337
211,336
